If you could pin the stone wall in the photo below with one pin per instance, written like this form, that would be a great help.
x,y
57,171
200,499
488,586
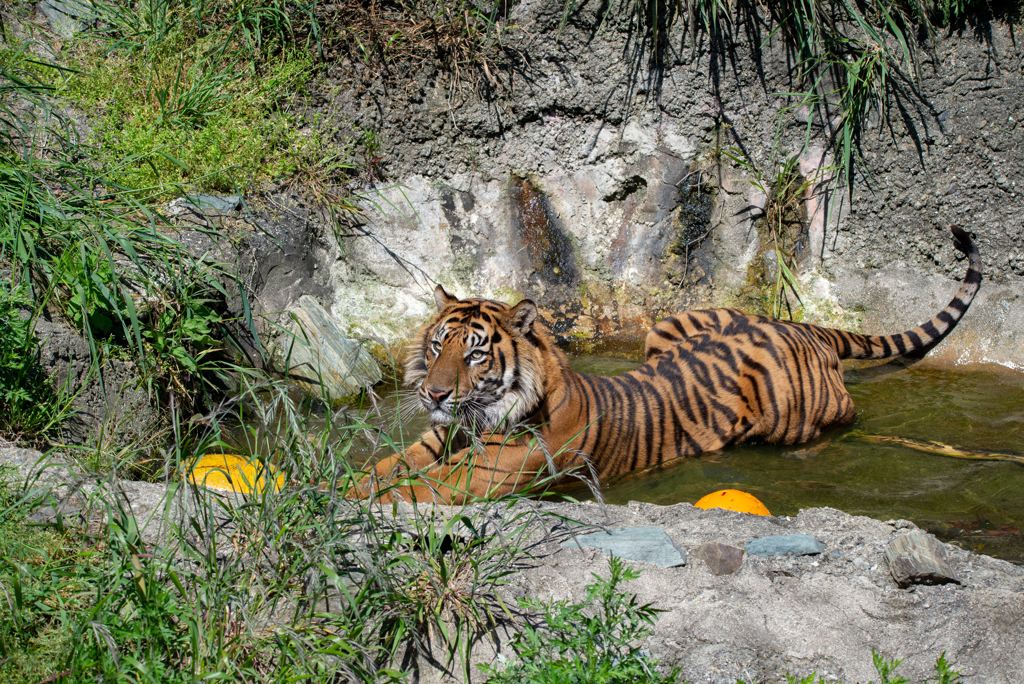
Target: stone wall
x,y
609,142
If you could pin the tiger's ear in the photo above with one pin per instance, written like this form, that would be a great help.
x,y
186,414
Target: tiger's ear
x,y
442,298
522,316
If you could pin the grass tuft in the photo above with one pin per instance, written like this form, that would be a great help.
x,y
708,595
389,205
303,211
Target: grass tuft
x,y
589,642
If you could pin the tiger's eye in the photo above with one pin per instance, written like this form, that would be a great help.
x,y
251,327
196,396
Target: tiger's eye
x,y
476,356
435,347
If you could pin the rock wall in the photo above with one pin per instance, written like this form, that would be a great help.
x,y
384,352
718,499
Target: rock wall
x,y
610,150
110,402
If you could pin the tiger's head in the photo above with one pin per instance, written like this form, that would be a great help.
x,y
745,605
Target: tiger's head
x,y
477,363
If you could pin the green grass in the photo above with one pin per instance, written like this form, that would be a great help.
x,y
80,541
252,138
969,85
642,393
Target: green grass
x,y
205,93
592,642
28,637
31,407
77,242
165,119
180,94
300,584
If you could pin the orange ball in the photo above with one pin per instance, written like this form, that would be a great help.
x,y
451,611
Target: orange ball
x,y
733,500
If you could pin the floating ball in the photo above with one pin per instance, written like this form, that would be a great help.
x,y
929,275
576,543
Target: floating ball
x,y
733,500
231,473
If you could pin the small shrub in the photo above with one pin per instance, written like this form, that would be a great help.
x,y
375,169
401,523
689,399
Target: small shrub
x,y
592,642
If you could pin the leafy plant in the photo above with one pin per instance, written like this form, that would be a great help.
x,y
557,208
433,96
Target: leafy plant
x,y
778,223
885,669
29,405
593,642
74,240
946,673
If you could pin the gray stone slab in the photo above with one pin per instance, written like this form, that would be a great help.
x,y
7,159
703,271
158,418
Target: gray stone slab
x,y
220,204
318,353
644,544
783,545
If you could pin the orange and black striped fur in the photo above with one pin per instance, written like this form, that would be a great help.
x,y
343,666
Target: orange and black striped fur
x,y
503,399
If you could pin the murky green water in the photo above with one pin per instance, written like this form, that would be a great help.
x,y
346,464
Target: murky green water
x,y
978,505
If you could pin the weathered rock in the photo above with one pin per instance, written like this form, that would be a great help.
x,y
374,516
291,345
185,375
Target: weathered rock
x,y
783,545
644,544
204,210
67,17
794,614
776,616
272,244
65,494
881,260
111,399
918,558
721,559
314,352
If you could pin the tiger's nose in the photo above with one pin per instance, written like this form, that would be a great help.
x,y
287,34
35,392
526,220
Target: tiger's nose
x,y
438,395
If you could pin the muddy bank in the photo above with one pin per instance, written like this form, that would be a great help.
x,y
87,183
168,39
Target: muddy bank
x,y
775,615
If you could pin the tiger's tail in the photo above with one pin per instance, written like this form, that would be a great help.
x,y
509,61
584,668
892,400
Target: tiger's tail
x,y
854,346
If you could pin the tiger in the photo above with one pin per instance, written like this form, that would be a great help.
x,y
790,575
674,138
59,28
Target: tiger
x,y
506,408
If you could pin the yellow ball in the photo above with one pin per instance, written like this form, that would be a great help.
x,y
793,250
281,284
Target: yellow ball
x,y
733,500
231,473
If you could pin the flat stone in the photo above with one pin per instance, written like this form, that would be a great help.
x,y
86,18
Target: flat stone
x,y
644,544
67,17
918,558
784,544
204,210
228,205
317,353
720,558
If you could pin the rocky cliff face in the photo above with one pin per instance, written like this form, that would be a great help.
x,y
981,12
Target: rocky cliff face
x,y
604,187
609,191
